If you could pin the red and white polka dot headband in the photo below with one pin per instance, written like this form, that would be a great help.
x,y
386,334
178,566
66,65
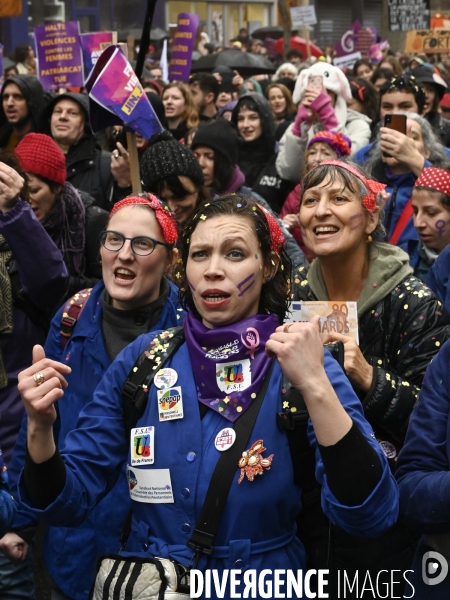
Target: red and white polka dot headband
x,y
435,179
162,213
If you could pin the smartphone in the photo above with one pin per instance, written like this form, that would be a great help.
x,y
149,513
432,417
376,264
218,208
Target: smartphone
x,y
396,122
316,82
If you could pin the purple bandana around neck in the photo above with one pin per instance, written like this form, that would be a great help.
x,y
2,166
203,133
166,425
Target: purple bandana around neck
x,y
229,363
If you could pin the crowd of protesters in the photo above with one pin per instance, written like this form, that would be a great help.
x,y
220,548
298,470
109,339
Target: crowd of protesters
x,y
296,182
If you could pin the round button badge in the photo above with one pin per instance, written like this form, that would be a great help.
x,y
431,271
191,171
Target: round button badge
x,y
225,439
165,378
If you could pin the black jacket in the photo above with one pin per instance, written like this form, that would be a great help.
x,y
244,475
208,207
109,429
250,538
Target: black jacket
x,y
33,93
88,166
399,344
441,127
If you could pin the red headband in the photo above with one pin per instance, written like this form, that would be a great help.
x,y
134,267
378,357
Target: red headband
x,y
162,213
374,187
434,178
276,235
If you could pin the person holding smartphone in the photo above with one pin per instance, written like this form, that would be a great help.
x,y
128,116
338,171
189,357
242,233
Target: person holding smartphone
x,y
321,92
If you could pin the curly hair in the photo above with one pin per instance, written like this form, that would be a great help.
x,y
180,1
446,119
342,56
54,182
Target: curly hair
x,y
190,114
275,292
350,182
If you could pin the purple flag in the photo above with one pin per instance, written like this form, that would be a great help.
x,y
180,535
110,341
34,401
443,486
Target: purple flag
x,y
182,47
115,90
59,55
1,61
356,39
93,45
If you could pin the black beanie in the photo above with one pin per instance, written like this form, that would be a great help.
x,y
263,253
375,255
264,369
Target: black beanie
x,y
221,137
164,156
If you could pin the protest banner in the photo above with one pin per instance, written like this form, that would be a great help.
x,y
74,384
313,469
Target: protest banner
x,y
347,61
429,41
92,45
115,89
1,61
60,62
182,47
356,39
303,15
337,317
415,14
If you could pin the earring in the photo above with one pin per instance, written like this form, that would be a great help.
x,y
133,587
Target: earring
x,y
369,239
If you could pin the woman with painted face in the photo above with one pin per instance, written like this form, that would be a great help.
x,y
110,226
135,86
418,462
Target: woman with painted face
x,y
234,277
401,326
70,217
216,147
257,154
431,216
137,249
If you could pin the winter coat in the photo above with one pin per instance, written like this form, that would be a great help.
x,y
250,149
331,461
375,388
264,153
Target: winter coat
x,y
438,277
440,125
33,93
86,354
401,328
290,159
257,528
423,474
257,158
7,504
39,281
88,166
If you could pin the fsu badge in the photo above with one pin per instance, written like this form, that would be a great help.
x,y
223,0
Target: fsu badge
x,y
252,463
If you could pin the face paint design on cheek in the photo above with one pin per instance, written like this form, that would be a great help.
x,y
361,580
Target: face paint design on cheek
x,y
358,225
191,286
243,282
440,226
357,216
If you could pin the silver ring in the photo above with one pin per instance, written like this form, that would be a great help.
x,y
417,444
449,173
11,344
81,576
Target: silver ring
x,y
116,155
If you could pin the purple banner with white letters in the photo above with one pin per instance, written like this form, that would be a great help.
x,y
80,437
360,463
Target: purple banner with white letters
x,y
1,61
59,55
356,39
114,87
93,45
182,47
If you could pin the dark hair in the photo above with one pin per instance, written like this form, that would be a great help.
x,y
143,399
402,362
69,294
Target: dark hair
x,y
294,52
405,83
363,91
247,103
394,62
207,83
381,73
358,63
349,181
21,52
173,183
223,172
275,292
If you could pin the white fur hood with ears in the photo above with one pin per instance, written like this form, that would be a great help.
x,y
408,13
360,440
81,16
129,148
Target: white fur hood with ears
x,y
333,80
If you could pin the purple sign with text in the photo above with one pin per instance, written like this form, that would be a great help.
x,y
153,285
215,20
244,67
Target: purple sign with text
x,y
59,56
182,47
113,86
1,61
356,39
93,45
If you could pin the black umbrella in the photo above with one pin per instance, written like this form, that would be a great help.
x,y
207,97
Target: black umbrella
x,y
157,34
245,63
275,32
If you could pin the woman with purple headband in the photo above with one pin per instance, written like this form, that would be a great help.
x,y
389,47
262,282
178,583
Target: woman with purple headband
x,y
234,277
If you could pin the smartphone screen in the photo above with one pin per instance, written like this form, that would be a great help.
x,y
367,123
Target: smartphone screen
x,y
316,82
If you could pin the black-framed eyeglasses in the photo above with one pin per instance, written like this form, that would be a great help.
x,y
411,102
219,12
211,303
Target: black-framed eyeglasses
x,y
140,245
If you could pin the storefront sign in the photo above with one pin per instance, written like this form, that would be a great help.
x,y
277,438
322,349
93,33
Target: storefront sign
x,y
59,55
428,41
182,47
93,45
415,14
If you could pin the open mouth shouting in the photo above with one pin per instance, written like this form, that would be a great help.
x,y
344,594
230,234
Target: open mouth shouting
x,y
324,231
214,298
124,275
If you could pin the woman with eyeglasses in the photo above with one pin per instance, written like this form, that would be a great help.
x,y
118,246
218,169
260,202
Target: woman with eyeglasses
x,y
137,248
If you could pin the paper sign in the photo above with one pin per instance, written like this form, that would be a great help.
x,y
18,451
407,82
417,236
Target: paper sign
x,y
115,88
406,16
303,15
429,41
182,47
60,62
335,317
93,45
347,61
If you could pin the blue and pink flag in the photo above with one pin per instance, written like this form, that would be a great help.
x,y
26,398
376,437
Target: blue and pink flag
x,y
116,96
183,46
92,45
60,62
